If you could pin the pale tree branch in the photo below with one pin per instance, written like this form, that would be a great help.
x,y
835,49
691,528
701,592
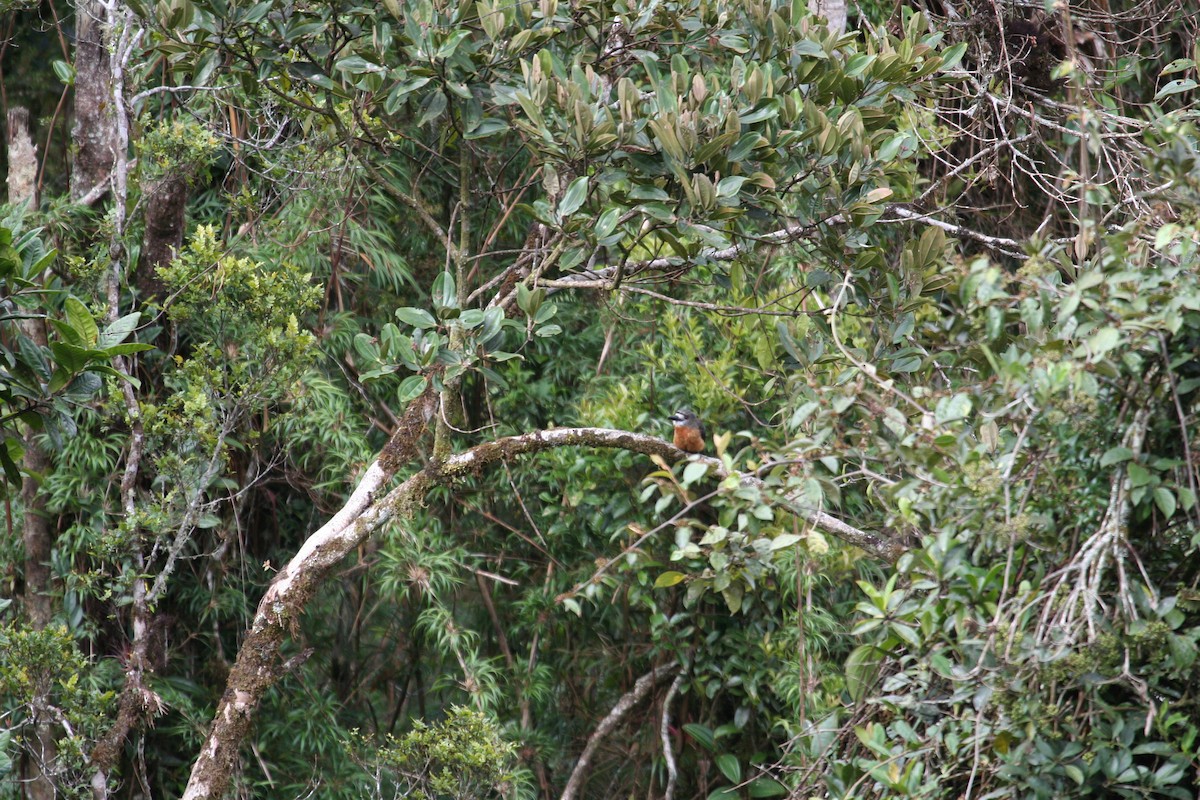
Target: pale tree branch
x,y
610,277
664,732
372,506
998,242
1073,603
606,277
641,688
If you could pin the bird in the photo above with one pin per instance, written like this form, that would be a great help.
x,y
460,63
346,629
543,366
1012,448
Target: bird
x,y
689,431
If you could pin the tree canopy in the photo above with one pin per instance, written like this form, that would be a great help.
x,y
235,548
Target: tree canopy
x,y
337,359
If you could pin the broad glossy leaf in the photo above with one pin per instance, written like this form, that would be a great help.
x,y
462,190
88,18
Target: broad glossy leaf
x,y
410,389
118,330
574,197
730,767
668,579
417,317
444,293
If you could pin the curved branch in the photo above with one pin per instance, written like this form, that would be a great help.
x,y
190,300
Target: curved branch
x,y
258,665
664,731
607,277
640,689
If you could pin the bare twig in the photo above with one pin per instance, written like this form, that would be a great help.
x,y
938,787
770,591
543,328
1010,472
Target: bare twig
x,y
641,688
664,732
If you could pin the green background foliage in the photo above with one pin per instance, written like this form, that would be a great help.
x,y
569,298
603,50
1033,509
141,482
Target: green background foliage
x,y
937,280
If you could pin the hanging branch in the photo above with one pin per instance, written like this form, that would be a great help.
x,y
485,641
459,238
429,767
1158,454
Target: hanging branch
x,y
607,725
257,666
665,734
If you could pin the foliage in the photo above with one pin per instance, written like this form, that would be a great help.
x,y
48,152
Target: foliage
x,y
44,679
463,756
41,382
594,213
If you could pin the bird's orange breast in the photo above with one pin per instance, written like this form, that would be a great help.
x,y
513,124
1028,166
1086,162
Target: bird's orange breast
x,y
688,439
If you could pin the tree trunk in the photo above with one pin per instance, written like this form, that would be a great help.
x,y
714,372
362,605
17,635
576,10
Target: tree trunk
x,y
36,533
22,159
94,133
39,604
834,12
166,202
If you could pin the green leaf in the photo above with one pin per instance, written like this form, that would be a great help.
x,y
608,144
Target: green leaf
x,y
785,540
1115,456
64,71
355,65
607,222
417,317
470,319
83,387
694,471
1139,475
79,318
104,369
952,408
71,357
12,473
702,734
906,634
306,70
766,787
1074,773
1187,498
862,665
1102,341
733,595
432,107
668,579
573,198
488,126
730,767
952,55
447,48
729,187
118,330
411,388
1178,65
1164,498
530,300
126,349
1175,87
724,793
445,295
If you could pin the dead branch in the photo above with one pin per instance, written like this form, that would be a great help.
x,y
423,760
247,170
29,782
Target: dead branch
x,y
1073,603
665,733
607,725
257,667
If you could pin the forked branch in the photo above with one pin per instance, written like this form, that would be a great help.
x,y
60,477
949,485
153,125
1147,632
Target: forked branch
x,y
371,506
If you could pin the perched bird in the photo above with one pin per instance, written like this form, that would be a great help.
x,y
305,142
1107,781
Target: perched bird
x,y
689,431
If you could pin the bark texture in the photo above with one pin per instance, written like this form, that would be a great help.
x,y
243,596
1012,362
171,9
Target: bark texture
x,y
166,204
22,158
641,689
95,130
834,12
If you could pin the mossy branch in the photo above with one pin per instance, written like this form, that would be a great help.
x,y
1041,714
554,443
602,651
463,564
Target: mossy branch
x,y
367,510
